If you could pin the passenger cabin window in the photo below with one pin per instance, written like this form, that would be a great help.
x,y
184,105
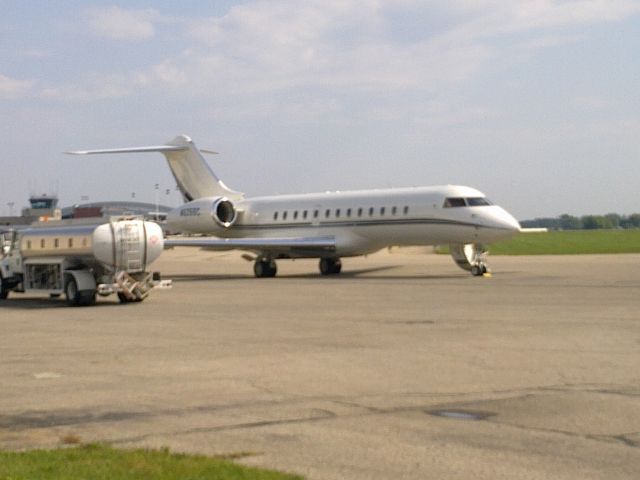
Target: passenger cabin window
x,y
337,213
454,202
394,210
348,212
70,243
360,212
295,215
275,215
405,210
478,202
327,213
42,243
381,211
370,211
315,213
56,243
304,214
284,215
28,244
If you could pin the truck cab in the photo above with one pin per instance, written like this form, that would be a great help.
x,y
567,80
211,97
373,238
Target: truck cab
x,y
10,262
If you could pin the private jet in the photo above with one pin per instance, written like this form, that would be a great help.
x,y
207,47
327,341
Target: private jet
x,y
329,225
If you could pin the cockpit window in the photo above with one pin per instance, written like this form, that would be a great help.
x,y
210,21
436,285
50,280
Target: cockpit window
x,y
478,202
454,202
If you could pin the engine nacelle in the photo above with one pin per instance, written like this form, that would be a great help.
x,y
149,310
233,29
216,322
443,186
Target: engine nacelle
x,y
206,215
224,212
468,255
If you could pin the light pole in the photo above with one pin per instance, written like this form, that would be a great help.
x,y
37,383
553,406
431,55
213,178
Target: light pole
x,y
157,201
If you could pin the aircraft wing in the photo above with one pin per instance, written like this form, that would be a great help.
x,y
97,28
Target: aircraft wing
x,y
278,245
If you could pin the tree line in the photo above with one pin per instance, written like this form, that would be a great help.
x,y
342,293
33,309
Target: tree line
x,y
585,222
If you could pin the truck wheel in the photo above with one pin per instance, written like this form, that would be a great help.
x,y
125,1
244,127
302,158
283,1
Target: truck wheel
x,y
4,289
87,298
71,291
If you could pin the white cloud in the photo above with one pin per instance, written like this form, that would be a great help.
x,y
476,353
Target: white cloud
x,y
335,48
123,24
11,88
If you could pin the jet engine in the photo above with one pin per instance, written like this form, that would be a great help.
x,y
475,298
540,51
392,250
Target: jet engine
x,y
470,257
224,212
206,215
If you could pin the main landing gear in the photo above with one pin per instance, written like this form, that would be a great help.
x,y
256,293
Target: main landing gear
x,y
330,266
265,268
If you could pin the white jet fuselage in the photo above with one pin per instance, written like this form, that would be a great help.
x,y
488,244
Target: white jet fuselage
x,y
360,222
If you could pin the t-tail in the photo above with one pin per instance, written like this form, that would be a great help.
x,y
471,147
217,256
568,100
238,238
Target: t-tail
x,y
194,177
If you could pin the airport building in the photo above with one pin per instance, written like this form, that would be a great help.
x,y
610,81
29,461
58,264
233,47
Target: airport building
x,y
45,207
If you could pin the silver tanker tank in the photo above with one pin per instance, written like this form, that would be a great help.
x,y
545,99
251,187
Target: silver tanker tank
x,y
83,260
124,245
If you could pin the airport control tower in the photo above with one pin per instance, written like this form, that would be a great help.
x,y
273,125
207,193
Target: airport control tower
x,y
42,207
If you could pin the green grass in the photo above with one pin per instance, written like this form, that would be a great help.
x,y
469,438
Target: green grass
x,y
101,462
570,242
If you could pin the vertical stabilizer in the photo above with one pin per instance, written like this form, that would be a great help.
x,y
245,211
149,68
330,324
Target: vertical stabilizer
x,y
193,175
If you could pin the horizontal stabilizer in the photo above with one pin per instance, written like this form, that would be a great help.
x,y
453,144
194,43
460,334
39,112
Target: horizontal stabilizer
x,y
194,177
156,148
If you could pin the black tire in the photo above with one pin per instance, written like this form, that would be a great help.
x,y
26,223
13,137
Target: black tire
x,y
87,298
258,269
265,268
78,298
476,270
71,292
337,267
272,269
330,266
4,288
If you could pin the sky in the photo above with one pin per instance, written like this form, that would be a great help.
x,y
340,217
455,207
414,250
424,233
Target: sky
x,y
534,102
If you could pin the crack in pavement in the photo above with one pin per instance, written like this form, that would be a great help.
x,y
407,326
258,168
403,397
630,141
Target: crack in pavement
x,y
42,420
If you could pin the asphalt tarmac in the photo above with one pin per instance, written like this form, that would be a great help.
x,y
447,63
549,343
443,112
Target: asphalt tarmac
x,y
403,367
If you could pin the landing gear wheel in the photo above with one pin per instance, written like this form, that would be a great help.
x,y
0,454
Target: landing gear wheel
x,y
265,268
478,270
330,266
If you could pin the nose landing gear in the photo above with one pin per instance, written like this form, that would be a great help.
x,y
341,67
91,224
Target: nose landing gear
x,y
479,269
471,257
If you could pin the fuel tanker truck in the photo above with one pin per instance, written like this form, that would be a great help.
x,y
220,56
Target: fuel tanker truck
x,y
82,261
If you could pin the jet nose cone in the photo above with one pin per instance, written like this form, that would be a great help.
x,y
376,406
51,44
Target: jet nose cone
x,y
509,222
502,223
